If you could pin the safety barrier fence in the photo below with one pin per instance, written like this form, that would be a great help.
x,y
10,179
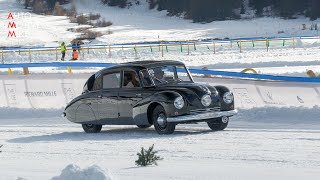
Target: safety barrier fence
x,y
208,45
57,90
193,71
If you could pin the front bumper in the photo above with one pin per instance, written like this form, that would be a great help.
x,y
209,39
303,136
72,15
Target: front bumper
x,y
201,116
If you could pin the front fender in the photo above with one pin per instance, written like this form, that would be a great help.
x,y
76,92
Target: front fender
x,y
224,106
165,99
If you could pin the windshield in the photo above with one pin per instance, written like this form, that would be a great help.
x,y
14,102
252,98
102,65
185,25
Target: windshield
x,y
165,74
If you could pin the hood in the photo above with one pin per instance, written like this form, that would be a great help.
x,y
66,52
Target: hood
x,y
188,89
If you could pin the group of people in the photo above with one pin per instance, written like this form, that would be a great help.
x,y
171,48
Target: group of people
x,y
75,53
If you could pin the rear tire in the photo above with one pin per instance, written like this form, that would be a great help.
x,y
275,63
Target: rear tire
x,y
159,119
218,124
144,126
91,128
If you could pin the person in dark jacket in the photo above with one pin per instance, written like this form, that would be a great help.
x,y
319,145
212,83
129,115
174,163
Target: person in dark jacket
x,y
74,45
79,46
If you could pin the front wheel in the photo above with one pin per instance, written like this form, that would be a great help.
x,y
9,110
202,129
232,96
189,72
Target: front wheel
x,y
218,124
159,119
91,128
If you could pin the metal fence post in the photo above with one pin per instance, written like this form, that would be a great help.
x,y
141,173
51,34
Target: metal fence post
x,y
29,55
2,56
56,54
82,53
293,43
162,50
135,50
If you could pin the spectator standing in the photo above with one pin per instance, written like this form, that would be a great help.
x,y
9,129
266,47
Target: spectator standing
x,y
74,45
75,55
63,50
79,46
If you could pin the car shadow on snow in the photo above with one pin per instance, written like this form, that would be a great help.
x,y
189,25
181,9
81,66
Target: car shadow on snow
x,y
109,135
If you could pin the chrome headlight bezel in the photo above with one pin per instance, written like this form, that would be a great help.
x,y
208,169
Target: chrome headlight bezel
x,y
228,97
178,102
206,100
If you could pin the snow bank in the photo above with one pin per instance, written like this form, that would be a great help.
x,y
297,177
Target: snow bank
x,y
277,118
74,172
283,114
19,113
20,178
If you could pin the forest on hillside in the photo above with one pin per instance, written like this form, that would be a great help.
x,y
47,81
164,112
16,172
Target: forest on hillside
x,y
213,10
216,10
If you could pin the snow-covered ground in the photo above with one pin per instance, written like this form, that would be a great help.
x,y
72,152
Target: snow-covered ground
x,y
253,147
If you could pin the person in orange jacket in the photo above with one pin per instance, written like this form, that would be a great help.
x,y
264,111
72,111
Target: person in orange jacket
x,y
75,55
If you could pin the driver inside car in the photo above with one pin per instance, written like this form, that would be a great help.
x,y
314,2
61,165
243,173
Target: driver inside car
x,y
158,76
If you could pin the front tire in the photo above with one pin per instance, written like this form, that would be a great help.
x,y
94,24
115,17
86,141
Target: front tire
x,y
91,128
218,124
159,119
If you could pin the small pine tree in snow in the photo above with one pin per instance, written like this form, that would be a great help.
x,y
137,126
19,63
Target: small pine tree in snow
x,y
1,147
147,157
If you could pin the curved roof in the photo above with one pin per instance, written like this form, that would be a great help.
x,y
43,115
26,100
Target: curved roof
x,y
149,63
138,65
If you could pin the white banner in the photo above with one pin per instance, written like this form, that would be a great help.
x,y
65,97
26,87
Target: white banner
x,y
54,91
255,93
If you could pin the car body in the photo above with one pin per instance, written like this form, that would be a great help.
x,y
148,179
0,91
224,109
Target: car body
x,y
146,93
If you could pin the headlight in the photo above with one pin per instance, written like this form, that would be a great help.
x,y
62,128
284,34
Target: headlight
x,y
178,102
206,100
228,97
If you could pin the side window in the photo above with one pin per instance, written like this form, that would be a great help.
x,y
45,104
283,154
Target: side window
x,y
130,79
97,85
90,82
111,80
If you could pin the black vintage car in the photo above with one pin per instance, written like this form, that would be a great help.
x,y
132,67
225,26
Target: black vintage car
x,y
146,93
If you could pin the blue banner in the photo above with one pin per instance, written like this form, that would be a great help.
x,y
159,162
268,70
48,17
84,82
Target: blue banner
x,y
193,71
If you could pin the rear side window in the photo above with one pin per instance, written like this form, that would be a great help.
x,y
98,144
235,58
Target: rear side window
x,y
111,80
90,82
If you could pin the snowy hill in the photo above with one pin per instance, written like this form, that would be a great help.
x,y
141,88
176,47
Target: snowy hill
x,y
139,24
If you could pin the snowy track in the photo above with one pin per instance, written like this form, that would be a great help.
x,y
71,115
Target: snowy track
x,y
193,152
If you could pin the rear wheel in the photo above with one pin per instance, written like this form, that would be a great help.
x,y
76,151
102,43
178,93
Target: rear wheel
x,y
218,124
91,128
144,126
159,119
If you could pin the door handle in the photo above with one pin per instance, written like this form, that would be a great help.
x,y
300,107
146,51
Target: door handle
x,y
138,95
99,96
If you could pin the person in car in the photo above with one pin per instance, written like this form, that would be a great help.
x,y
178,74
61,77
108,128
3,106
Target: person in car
x,y
132,80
